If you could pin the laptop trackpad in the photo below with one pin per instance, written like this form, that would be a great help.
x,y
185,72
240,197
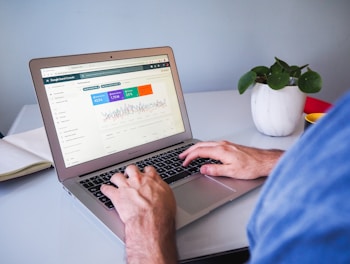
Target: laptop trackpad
x,y
199,194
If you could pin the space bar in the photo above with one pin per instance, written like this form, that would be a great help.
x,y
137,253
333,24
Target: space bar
x,y
177,177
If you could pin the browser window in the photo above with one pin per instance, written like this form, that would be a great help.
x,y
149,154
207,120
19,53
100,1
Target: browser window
x,y
105,107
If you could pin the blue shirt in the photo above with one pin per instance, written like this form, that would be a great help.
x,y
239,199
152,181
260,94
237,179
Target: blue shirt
x,y
303,213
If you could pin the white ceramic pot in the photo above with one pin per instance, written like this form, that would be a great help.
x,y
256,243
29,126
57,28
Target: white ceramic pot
x,y
277,112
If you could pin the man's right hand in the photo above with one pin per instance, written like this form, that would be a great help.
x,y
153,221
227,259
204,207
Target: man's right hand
x,y
240,162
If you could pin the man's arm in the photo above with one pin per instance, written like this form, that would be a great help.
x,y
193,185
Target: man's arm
x,y
147,207
146,204
238,161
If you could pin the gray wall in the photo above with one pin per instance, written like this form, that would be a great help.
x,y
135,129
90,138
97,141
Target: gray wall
x,y
214,41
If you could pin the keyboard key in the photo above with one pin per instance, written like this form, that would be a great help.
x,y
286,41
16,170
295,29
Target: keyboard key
x,y
98,194
109,205
103,199
177,177
94,189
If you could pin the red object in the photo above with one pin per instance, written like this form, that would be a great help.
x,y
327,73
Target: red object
x,y
313,105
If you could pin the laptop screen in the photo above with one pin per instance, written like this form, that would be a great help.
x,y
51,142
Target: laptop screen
x,y
101,108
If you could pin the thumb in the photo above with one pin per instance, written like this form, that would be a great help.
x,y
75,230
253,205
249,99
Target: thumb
x,y
214,170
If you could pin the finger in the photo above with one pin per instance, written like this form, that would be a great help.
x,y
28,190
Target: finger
x,y
190,157
119,180
109,190
197,145
131,171
225,170
150,170
219,170
201,152
134,175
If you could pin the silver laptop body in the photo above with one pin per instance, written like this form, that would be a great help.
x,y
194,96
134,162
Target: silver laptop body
x,y
106,110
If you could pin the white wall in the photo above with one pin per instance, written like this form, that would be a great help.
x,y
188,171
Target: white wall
x,y
214,41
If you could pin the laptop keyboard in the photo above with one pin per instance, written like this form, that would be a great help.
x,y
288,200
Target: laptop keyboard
x,y
167,164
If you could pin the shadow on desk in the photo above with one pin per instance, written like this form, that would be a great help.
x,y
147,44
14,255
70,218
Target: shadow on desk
x,y
237,256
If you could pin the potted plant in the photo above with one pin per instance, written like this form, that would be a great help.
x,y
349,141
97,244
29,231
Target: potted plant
x,y
278,95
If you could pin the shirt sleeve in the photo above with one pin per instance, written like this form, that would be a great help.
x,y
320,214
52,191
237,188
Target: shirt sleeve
x,y
303,213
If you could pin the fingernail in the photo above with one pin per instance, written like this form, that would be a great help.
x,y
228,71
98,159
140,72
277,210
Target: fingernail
x,y
204,169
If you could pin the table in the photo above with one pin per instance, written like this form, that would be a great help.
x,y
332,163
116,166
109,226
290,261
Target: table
x,y
41,223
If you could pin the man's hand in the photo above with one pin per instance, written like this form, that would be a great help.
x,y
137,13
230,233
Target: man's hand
x,y
238,161
147,207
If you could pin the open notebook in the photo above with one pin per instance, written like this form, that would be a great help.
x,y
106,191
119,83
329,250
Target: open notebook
x,y
103,111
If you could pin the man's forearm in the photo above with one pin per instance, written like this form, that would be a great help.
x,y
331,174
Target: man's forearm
x,y
269,159
151,242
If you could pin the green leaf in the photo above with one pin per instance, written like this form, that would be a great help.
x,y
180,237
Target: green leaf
x,y
261,70
245,81
310,82
276,68
283,64
278,80
302,67
295,71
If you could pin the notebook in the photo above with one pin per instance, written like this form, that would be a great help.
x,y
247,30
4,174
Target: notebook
x,y
103,111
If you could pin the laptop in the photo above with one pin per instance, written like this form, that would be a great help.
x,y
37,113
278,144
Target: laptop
x,y
104,111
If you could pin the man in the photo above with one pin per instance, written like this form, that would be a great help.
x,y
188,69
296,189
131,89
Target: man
x,y
302,215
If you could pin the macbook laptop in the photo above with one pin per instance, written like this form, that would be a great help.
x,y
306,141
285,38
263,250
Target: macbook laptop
x,y
104,111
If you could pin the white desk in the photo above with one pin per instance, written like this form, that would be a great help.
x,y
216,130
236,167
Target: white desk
x,y
40,223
